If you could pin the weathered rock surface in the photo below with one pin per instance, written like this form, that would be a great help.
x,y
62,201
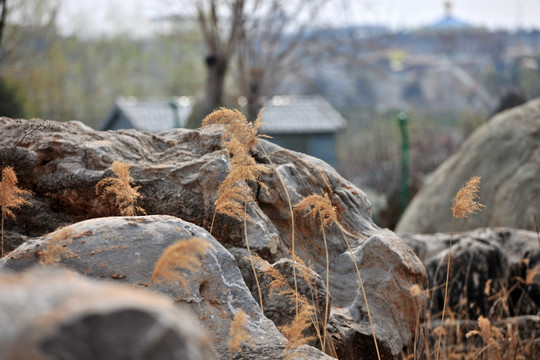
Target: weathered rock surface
x,y
126,249
276,283
505,152
508,259
52,313
179,172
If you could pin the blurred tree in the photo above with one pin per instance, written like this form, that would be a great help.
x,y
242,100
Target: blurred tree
x,y
276,40
3,16
221,25
26,28
10,101
269,39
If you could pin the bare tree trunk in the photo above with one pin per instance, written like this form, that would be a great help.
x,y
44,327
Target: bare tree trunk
x,y
2,19
221,36
216,67
254,93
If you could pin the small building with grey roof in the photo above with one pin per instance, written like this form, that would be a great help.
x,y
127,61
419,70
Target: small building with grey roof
x,y
308,124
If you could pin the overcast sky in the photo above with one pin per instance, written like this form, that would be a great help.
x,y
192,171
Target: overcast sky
x,y
131,15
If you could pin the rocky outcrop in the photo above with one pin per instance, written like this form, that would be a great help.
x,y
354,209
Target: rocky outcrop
x,y
494,271
276,282
179,172
126,249
51,313
505,152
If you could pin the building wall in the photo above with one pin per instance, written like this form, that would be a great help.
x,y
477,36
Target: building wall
x,y
119,122
322,146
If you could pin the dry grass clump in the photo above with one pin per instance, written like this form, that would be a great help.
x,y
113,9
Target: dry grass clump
x,y
236,126
320,208
294,332
238,333
299,331
121,187
491,336
234,193
56,246
239,138
186,255
11,197
464,204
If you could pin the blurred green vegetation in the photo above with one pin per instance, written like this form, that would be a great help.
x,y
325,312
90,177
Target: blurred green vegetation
x,y
75,78
11,100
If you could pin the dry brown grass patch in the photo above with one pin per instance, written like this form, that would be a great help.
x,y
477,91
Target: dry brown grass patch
x,y
238,333
56,246
186,255
11,197
121,188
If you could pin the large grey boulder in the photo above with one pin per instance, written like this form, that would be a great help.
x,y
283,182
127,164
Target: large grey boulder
x,y
126,249
57,314
179,172
505,152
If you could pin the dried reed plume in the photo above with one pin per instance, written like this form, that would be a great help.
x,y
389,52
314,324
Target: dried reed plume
x,y
239,138
238,333
238,129
416,293
294,332
464,204
491,336
236,126
185,255
56,246
320,208
125,195
11,197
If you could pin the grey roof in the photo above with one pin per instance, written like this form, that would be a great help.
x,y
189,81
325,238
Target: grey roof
x,y
300,115
152,115
283,115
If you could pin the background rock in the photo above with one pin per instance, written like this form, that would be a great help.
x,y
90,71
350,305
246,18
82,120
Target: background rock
x,y
56,313
179,172
505,152
508,258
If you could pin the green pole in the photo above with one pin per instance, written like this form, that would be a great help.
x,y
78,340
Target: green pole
x,y
174,106
402,119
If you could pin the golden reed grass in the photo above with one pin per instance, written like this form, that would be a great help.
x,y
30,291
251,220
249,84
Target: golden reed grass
x,y
234,193
464,204
182,256
121,187
238,333
238,128
56,246
11,198
321,209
